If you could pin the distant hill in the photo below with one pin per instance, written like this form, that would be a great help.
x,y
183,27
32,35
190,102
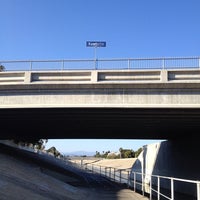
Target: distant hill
x,y
79,153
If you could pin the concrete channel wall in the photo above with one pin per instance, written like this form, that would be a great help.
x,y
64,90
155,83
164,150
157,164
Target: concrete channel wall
x,y
168,159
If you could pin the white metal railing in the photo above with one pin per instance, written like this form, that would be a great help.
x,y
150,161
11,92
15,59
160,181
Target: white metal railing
x,y
89,64
114,174
156,187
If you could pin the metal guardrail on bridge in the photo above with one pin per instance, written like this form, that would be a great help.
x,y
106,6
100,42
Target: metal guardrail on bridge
x,y
98,64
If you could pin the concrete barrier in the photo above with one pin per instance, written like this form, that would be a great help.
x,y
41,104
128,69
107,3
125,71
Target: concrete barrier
x,y
99,76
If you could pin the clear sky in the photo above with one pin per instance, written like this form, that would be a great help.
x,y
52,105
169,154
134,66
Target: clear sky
x,y
59,29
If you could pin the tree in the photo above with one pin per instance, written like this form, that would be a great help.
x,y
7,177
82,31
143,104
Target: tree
x,y
97,155
54,151
38,143
103,155
2,68
120,151
113,156
126,153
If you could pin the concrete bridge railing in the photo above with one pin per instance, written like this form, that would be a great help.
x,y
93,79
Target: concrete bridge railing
x,y
100,76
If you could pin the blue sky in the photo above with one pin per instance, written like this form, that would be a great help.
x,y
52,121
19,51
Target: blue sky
x,y
59,29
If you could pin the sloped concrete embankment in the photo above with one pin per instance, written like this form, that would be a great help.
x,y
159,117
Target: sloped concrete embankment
x,y
28,175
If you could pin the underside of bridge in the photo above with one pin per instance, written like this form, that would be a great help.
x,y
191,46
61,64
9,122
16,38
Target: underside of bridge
x,y
102,123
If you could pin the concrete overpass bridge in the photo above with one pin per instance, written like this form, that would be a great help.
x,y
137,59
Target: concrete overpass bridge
x,y
157,102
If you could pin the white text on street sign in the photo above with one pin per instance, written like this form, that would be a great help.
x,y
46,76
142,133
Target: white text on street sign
x,y
96,44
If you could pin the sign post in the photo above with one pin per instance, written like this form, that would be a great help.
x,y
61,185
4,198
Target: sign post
x,y
95,44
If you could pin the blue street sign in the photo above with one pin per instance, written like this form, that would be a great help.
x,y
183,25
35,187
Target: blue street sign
x,y
95,44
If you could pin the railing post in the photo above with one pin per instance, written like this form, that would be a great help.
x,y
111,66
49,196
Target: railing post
x,y
63,65
31,65
163,63
150,189
172,189
134,184
128,178
27,78
158,194
199,62
164,76
129,63
143,184
198,191
120,175
96,64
